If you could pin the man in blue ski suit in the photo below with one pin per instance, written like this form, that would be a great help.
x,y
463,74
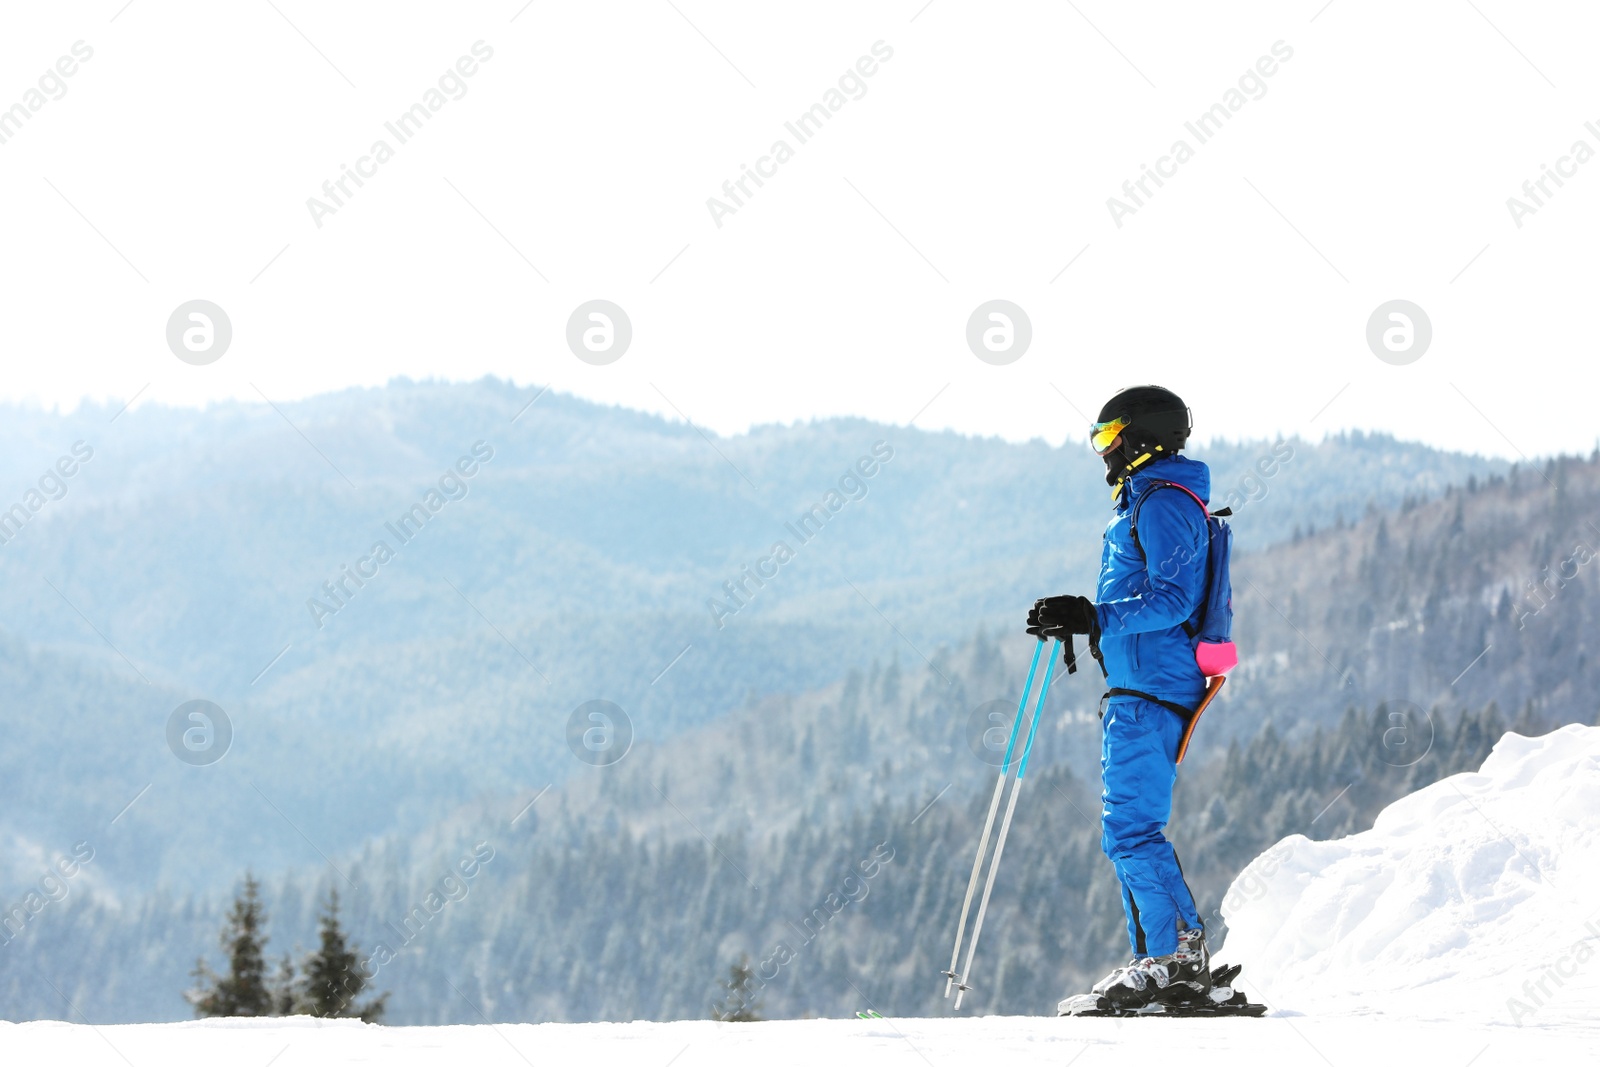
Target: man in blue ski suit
x,y
1150,587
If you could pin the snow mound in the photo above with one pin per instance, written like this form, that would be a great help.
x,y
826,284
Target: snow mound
x,y
1473,897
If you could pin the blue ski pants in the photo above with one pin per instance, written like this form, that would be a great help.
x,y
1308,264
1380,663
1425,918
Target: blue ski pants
x,y
1138,768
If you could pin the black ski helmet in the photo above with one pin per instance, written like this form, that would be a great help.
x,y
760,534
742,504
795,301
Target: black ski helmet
x,y
1153,417
1142,421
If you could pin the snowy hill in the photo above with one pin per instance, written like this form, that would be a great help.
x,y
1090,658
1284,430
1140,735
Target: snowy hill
x,y
1472,898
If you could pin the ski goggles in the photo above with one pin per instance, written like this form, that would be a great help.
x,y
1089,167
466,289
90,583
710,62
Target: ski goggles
x,y
1102,435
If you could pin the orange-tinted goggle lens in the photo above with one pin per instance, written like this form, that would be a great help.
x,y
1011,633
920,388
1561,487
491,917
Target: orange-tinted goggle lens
x,y
1102,435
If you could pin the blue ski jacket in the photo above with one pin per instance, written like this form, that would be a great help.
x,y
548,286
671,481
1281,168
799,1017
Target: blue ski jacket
x,y
1143,599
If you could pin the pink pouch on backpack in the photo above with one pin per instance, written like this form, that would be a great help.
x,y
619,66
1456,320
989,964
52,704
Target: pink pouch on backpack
x,y
1216,658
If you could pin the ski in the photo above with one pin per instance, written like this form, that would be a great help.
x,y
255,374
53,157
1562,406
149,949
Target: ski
x,y
1223,1000
868,1014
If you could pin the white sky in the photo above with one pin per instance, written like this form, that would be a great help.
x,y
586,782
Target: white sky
x,y
978,164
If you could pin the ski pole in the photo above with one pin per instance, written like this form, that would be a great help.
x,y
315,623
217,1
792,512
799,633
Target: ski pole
x,y
988,826
1000,842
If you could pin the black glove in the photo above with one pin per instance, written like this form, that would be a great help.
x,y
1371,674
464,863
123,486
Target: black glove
x,y
1061,617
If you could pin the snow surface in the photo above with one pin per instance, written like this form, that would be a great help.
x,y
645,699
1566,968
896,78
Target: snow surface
x,y
993,1040
1423,940
1471,899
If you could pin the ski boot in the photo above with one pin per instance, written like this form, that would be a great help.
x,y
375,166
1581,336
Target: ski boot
x,y
1184,977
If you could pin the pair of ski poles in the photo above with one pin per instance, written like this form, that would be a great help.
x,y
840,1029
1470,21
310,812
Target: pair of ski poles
x,y
955,980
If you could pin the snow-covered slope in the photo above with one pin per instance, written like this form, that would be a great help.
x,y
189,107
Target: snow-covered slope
x,y
1470,899
999,1040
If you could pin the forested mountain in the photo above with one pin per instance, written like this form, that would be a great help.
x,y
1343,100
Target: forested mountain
x,y
845,913
1486,594
627,890
192,554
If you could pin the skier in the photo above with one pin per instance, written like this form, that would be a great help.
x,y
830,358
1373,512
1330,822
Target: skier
x,y
1152,585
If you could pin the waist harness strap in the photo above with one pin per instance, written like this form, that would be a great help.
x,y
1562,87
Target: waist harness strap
x,y
1177,709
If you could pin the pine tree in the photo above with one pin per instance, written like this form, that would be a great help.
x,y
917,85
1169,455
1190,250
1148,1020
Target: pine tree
x,y
331,976
243,991
282,989
739,1004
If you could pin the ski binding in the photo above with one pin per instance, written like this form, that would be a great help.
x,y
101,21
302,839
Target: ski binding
x,y
1223,1000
